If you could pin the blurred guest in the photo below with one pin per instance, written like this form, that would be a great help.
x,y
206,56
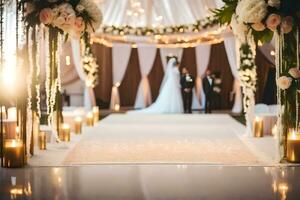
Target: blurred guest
x,y
187,83
208,85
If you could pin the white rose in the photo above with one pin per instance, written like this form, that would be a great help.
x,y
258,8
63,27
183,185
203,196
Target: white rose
x,y
274,3
284,82
295,72
252,11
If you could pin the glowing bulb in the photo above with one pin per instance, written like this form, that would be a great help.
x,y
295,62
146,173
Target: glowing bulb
x,y
272,53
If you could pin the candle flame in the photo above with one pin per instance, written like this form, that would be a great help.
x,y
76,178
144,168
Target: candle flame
x,y
78,119
258,119
66,126
293,135
90,115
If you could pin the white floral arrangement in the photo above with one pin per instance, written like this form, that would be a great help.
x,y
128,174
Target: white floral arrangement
x,y
199,25
248,75
55,20
72,17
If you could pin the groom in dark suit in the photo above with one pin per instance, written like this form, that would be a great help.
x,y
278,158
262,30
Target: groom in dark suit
x,y
187,83
208,82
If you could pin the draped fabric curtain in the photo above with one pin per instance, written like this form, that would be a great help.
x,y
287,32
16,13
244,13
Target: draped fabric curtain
x,y
89,95
120,58
173,12
232,55
147,54
164,52
202,59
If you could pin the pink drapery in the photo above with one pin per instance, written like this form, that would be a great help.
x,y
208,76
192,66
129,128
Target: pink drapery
x,y
146,55
120,58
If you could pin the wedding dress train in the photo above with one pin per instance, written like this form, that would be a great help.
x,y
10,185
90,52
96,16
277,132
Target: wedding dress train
x,y
169,100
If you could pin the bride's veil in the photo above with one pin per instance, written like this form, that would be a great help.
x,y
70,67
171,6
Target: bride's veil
x,y
171,64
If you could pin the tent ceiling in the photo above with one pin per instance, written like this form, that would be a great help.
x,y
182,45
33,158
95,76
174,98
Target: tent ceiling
x,y
152,13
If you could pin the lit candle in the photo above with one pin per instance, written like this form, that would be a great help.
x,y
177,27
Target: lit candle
x,y
293,146
65,134
3,112
42,140
258,127
78,125
90,119
117,107
13,154
12,114
96,114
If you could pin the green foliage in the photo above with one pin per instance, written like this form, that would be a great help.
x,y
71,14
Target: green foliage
x,y
263,36
225,13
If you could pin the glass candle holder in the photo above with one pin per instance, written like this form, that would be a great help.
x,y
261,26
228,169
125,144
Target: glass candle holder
x,y
96,114
65,134
42,140
13,153
90,119
78,125
258,127
293,146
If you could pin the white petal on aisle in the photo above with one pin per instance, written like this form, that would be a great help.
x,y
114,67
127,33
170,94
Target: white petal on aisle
x,y
209,139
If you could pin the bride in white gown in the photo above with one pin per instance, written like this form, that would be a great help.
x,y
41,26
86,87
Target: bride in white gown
x,y
169,100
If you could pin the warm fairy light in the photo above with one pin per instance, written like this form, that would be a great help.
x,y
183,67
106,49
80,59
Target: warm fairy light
x,y
272,53
118,84
68,60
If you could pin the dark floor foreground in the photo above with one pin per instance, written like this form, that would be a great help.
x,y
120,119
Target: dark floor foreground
x,y
165,182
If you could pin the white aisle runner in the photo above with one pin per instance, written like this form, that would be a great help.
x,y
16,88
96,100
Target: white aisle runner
x,y
207,139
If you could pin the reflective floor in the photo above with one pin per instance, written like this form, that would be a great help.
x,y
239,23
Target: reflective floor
x,y
165,182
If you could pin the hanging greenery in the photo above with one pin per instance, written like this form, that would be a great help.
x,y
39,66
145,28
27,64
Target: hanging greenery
x,y
54,21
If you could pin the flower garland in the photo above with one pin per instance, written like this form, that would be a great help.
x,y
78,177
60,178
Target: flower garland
x,y
248,76
260,20
163,30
